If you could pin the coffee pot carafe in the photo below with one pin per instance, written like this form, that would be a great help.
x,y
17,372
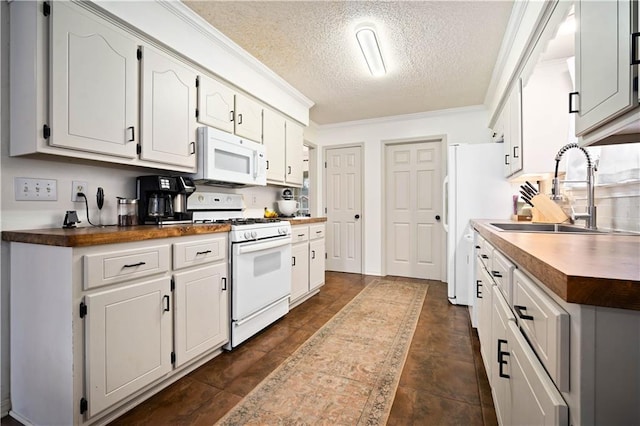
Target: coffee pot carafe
x,y
160,205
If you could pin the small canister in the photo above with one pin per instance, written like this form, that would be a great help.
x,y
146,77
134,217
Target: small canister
x,y
127,211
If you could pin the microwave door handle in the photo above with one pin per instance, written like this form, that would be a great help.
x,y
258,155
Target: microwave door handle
x,y
255,164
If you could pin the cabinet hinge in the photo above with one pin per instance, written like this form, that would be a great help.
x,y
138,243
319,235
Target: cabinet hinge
x,y
84,405
325,255
325,210
325,164
139,53
46,131
197,113
83,310
197,81
138,149
173,357
46,8
173,284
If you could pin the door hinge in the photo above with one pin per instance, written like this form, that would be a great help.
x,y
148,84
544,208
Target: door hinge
x,y
46,8
139,53
173,357
83,310
173,284
46,131
197,113
138,149
197,81
84,405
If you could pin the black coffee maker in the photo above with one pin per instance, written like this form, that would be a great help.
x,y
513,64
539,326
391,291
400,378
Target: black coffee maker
x,y
163,199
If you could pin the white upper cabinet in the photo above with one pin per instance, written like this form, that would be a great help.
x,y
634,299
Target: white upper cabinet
x,y
274,143
294,136
248,118
94,84
511,122
215,104
604,69
168,110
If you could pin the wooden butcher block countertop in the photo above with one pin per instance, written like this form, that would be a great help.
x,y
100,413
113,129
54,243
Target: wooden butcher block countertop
x,y
592,269
304,220
92,236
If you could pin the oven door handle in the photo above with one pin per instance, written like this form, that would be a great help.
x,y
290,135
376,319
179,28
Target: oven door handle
x,y
264,246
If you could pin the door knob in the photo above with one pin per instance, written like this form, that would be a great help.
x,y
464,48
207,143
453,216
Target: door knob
x,y
437,217
357,216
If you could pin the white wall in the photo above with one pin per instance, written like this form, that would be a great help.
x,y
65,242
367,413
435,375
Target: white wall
x,y
462,125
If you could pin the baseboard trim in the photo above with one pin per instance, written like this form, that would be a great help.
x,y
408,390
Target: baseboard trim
x,y
5,407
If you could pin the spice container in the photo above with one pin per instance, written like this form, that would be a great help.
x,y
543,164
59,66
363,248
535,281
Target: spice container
x,y
127,211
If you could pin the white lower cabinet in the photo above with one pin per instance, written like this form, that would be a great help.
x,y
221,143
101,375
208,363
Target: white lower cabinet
x,y
128,340
500,378
98,329
484,302
307,261
201,311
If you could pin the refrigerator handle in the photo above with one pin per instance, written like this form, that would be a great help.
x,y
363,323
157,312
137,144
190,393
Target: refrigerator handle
x,y
445,204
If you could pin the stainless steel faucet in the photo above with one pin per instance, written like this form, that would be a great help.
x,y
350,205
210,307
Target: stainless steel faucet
x,y
590,215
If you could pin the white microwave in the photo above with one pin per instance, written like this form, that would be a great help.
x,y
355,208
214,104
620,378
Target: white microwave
x,y
228,160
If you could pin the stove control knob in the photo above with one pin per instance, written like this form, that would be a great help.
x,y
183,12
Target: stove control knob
x,y
254,234
201,198
247,234
282,231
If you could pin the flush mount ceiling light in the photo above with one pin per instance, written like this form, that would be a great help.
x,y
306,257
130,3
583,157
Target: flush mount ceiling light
x,y
368,42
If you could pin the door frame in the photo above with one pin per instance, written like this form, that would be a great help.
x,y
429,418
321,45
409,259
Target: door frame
x,y
383,161
363,217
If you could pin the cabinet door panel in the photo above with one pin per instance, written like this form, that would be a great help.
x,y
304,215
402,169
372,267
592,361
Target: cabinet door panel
x,y
201,305
248,118
501,315
299,270
295,144
604,76
316,263
534,398
274,143
215,104
128,340
168,110
484,291
94,84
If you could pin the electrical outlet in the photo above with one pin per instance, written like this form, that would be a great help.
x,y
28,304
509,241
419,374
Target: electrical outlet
x,y
31,189
78,186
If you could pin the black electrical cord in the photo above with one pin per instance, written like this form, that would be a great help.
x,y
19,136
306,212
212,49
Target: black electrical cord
x,y
86,203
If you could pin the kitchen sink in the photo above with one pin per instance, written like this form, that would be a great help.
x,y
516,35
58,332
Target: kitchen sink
x,y
544,227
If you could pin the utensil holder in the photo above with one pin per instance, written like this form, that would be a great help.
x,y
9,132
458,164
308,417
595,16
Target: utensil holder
x,y
546,211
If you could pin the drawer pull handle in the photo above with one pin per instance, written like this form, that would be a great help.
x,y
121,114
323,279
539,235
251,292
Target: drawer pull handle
x,y
478,292
224,283
318,232
496,274
484,256
501,360
166,301
478,247
203,252
519,309
133,265
293,261
313,254
300,235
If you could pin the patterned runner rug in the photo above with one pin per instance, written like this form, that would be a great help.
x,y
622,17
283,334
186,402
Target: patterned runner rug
x,y
348,371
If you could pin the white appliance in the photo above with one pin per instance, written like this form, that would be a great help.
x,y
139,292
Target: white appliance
x,y
474,188
260,260
228,160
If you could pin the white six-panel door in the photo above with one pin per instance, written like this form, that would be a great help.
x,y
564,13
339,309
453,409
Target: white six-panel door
x,y
344,209
412,203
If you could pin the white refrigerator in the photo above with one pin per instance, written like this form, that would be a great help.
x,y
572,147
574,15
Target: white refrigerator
x,y
474,188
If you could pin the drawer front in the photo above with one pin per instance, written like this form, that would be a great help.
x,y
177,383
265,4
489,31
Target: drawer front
x,y
193,253
502,272
486,254
299,233
123,265
316,231
546,326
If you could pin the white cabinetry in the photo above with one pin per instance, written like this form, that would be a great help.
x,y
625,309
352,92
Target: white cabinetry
x,y
96,329
294,145
307,261
128,340
94,84
248,118
274,143
605,72
168,110
215,104
511,122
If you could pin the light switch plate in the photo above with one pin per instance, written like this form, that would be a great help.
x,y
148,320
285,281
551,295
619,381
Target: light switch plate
x,y
31,189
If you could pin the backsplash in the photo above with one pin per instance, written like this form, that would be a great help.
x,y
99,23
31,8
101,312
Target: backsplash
x,y
618,205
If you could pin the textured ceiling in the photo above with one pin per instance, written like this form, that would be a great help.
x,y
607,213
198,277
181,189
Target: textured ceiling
x,y
438,54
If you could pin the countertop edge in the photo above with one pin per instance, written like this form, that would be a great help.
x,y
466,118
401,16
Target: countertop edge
x,y
600,291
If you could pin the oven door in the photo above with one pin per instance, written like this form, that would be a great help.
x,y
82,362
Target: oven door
x,y
261,275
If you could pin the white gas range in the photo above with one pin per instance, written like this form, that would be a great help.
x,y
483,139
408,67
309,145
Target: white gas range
x,y
260,262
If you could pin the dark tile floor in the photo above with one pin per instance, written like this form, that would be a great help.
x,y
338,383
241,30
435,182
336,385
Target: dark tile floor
x,y
443,381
